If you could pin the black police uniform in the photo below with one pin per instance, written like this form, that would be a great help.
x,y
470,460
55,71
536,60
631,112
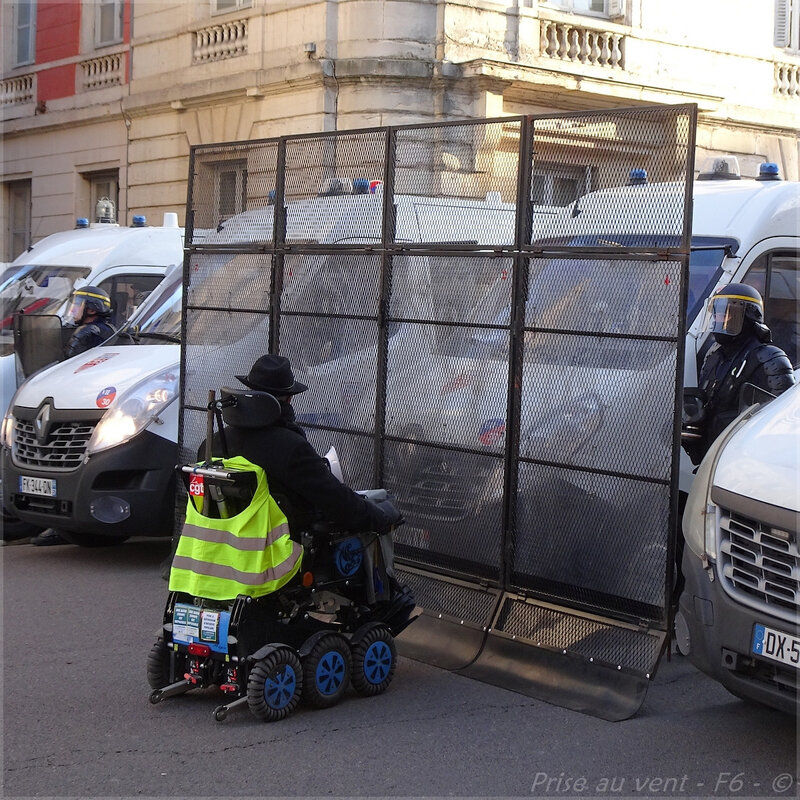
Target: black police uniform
x,y
89,335
726,369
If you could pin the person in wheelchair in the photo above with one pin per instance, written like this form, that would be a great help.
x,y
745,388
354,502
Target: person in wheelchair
x,y
316,504
282,583
299,479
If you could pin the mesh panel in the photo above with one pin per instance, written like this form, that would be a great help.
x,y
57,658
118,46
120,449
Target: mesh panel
x,y
219,345
546,627
239,282
596,153
585,399
452,503
604,296
555,302
328,166
231,179
461,161
453,599
592,534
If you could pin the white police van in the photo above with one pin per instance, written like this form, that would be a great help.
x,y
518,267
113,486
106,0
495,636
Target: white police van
x,y
738,615
89,444
127,262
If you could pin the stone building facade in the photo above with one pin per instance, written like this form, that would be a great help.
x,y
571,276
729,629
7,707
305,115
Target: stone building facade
x,y
107,97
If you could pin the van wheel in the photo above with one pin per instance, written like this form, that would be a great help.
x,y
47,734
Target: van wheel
x,y
14,528
92,539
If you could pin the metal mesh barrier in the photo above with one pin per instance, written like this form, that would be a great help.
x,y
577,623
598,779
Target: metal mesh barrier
x,y
490,318
617,646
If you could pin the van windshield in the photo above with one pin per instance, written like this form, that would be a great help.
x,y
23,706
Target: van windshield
x,y
593,294
38,289
705,259
159,318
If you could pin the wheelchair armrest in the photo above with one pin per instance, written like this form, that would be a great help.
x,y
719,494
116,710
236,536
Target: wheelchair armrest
x,y
376,495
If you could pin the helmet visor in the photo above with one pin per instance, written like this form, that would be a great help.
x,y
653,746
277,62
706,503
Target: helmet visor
x,y
725,315
74,313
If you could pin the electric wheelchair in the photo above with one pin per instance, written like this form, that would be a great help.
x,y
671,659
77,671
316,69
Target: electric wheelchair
x,y
332,626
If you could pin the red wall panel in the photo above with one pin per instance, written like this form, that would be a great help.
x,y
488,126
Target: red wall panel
x,y
58,30
56,82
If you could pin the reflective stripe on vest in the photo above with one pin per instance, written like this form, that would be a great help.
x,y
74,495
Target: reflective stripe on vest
x,y
250,553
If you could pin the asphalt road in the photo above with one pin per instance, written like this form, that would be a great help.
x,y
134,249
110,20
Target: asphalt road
x,y
77,627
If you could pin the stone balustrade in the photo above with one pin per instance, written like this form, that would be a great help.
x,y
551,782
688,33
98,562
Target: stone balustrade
x,y
579,44
97,73
787,80
16,90
216,42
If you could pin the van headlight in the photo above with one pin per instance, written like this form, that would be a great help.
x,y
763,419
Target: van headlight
x,y
135,409
699,521
7,433
700,516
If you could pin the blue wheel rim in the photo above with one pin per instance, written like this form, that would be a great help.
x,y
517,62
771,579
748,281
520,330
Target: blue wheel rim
x,y
280,687
377,662
330,673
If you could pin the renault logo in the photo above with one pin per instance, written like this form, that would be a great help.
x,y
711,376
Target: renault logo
x,y
42,424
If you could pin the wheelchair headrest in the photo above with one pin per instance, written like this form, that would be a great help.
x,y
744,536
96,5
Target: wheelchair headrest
x,y
250,409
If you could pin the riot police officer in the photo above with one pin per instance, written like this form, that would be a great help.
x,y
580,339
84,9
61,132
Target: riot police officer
x,y
88,312
743,353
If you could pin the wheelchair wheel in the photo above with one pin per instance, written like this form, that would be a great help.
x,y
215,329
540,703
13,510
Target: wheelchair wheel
x,y
275,684
374,659
326,671
158,665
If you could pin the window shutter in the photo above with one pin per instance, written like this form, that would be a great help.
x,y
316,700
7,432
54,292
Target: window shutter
x,y
616,8
782,9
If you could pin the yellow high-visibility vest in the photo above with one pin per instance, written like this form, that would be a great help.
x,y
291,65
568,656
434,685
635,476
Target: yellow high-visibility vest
x,y
250,553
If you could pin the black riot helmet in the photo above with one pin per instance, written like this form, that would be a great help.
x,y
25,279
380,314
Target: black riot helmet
x,y
729,309
87,300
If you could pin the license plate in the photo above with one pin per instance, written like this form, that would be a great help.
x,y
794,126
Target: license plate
x,y
776,645
42,486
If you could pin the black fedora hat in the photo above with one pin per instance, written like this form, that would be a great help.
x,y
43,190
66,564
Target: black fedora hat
x,y
272,374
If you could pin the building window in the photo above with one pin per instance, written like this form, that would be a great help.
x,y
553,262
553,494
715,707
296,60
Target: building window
x,y
18,203
230,189
787,24
24,31
601,8
108,22
101,185
221,6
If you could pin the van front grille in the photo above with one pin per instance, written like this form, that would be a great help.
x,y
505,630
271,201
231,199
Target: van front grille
x,y
63,449
759,564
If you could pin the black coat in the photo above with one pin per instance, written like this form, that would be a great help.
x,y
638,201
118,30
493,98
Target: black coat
x,y
299,479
